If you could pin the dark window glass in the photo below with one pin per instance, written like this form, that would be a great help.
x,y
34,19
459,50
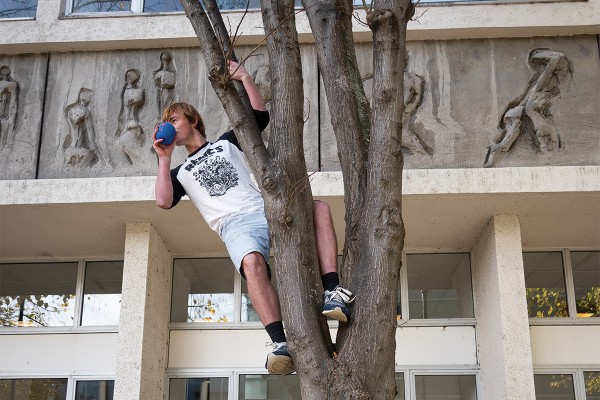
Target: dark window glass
x,y
162,5
450,387
199,388
30,389
18,8
400,386
545,284
85,6
269,387
102,293
554,387
41,294
94,390
586,280
592,385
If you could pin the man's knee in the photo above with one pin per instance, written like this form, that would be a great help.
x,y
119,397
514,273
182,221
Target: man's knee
x,y
254,265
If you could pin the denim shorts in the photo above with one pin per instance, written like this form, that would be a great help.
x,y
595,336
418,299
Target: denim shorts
x,y
244,234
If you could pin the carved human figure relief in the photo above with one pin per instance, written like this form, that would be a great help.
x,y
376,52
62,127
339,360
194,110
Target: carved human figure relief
x,y
165,78
414,88
531,111
129,135
79,144
9,96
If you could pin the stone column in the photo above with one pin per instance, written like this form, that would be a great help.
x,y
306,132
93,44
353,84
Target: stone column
x,y
143,327
503,343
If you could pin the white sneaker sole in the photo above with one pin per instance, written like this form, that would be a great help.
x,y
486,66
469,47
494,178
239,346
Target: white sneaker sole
x,y
280,365
336,313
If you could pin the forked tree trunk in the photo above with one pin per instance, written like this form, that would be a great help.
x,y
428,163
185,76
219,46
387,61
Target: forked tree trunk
x,y
369,142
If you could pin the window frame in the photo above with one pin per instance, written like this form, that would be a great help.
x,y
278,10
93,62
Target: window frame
x,y
572,319
79,287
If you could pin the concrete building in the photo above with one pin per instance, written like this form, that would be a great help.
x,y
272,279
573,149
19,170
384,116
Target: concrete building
x,y
103,295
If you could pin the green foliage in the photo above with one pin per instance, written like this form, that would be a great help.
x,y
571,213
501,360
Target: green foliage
x,y
546,302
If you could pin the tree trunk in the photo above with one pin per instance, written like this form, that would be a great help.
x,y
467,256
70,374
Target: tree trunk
x,y
369,142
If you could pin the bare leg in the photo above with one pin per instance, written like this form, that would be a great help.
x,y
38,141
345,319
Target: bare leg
x,y
261,291
325,237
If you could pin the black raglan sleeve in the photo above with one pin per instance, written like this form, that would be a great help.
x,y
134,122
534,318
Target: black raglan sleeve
x,y
178,190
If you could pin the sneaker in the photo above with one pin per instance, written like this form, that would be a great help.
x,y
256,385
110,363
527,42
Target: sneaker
x,y
279,361
334,304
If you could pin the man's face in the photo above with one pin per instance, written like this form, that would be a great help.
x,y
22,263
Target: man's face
x,y
184,129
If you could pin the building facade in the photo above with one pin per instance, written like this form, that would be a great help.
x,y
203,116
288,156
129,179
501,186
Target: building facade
x,y
103,295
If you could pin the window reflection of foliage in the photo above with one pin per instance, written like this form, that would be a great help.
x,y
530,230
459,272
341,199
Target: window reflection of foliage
x,y
592,383
33,389
36,310
101,5
546,302
202,308
589,303
18,8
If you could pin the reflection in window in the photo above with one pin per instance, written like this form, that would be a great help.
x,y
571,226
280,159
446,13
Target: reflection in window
x,y
102,293
162,5
554,386
37,294
439,286
269,387
198,389
592,385
85,6
203,290
451,387
43,389
545,284
94,390
586,279
18,8
399,386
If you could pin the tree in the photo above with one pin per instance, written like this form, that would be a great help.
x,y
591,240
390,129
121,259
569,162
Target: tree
x,y
360,365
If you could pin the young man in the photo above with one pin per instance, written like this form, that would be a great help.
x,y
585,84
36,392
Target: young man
x,y
216,178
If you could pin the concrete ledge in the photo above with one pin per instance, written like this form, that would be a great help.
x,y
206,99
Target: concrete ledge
x,y
324,184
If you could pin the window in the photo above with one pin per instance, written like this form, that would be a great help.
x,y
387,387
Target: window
x,y
439,286
450,387
149,6
198,388
554,386
46,294
562,284
43,389
94,390
18,8
592,385
210,290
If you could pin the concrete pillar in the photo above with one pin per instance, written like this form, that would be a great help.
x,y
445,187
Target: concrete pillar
x,y
503,343
143,327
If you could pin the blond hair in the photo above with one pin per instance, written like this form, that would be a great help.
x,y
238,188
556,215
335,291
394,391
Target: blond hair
x,y
188,111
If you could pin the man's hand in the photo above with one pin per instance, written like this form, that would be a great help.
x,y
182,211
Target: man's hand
x,y
238,71
162,150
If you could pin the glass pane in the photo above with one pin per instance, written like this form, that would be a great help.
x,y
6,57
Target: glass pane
x,y
162,5
94,390
202,290
592,385
82,6
198,388
102,293
447,387
38,389
586,279
400,386
238,4
545,284
554,387
271,387
37,294
439,286
18,8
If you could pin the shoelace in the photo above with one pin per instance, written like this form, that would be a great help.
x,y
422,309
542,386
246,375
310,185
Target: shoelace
x,y
344,294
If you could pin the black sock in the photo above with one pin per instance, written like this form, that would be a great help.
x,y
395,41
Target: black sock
x,y
275,331
330,280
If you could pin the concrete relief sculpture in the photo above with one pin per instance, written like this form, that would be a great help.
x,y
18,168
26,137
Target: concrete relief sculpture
x,y
414,88
9,95
79,144
531,111
129,135
165,78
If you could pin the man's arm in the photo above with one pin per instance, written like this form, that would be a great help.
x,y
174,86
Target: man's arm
x,y
164,187
239,73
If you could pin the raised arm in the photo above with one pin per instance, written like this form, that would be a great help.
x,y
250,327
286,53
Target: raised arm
x,y
163,187
239,73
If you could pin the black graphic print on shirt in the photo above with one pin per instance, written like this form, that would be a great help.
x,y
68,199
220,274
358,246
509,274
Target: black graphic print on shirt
x,y
217,176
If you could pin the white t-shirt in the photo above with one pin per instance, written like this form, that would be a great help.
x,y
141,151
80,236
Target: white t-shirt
x,y
216,178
